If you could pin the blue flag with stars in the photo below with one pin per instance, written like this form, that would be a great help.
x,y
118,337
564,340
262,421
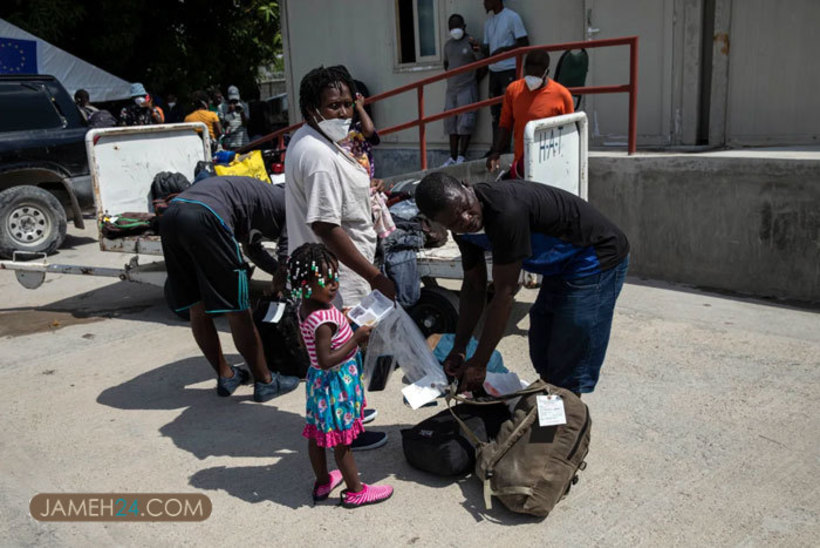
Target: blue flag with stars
x,y
18,56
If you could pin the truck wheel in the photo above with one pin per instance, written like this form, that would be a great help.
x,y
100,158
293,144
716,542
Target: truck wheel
x,y
31,219
436,311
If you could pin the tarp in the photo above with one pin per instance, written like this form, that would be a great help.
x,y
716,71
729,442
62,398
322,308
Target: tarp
x,y
23,53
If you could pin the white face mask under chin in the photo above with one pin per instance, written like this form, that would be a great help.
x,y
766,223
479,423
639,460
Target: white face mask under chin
x,y
533,82
336,129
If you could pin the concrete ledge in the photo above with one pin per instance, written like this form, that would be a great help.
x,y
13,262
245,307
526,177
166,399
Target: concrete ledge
x,y
750,225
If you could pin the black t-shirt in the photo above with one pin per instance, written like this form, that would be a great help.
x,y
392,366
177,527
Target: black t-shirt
x,y
553,232
248,207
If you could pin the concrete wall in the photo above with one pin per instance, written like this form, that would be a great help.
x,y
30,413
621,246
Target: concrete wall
x,y
746,225
750,225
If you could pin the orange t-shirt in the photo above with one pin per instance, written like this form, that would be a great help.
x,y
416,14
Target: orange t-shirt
x,y
207,117
522,105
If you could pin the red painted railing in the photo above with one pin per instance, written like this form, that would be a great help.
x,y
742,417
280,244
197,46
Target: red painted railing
x,y
421,121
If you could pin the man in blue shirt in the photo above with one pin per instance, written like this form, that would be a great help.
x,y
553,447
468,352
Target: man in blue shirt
x,y
503,31
581,255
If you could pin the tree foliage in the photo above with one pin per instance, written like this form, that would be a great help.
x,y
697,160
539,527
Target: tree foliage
x,y
168,45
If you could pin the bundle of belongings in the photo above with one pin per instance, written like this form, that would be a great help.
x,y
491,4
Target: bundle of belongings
x,y
164,188
399,247
526,445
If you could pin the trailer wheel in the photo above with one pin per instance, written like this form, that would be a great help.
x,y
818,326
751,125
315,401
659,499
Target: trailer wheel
x,y
436,311
181,314
31,219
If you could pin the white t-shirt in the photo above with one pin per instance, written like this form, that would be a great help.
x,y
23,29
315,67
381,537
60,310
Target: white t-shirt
x,y
502,30
323,183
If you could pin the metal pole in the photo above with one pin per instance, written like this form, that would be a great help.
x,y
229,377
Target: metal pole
x,y
633,96
422,130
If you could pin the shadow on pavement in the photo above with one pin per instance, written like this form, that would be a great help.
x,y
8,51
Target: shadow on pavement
x,y
238,427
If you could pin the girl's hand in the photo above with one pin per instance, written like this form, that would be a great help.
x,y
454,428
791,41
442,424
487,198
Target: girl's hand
x,y
363,333
359,100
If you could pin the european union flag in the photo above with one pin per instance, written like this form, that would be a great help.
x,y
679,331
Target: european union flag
x,y
18,56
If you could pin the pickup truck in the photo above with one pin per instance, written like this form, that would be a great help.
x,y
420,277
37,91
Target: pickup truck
x,y
44,175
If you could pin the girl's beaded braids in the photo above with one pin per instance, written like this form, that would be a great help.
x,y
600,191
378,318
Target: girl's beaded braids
x,y
311,262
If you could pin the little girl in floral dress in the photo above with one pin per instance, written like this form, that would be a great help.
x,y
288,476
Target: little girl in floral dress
x,y
335,393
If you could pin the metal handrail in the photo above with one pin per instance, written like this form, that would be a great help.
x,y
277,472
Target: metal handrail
x,y
631,88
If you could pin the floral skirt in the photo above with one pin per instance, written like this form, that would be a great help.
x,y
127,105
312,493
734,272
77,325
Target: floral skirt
x,y
335,403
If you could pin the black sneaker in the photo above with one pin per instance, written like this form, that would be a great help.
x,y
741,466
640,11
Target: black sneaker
x,y
279,384
369,440
226,387
369,415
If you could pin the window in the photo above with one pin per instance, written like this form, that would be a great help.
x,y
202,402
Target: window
x,y
26,106
418,31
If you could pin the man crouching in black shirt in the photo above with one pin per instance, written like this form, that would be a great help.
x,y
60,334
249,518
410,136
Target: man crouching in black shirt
x,y
582,256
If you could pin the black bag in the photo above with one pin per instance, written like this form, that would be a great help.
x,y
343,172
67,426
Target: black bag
x,y
438,445
281,339
166,183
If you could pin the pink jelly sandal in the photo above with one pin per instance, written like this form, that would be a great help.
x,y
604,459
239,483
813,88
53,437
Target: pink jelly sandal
x,y
321,492
370,494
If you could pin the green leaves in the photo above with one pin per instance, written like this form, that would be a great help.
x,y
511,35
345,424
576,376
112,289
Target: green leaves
x,y
169,45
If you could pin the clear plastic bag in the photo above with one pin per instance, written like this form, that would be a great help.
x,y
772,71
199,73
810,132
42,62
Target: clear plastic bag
x,y
398,336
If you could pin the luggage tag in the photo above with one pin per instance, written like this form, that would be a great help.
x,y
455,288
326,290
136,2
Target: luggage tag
x,y
550,410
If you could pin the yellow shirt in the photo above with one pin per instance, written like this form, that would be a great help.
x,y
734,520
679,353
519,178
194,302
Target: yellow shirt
x,y
207,117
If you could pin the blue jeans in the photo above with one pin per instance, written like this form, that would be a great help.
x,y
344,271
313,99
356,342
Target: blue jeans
x,y
570,324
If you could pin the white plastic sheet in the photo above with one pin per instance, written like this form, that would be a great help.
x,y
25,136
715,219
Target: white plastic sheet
x,y
397,335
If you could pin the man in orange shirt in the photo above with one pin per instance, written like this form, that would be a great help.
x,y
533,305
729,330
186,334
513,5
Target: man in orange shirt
x,y
530,98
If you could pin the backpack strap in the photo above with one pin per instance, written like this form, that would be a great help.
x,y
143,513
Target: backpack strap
x,y
470,434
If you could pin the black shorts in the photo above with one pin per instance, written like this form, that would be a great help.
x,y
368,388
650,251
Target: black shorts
x,y
203,260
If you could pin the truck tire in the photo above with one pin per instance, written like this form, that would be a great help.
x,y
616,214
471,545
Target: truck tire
x,y
31,219
436,311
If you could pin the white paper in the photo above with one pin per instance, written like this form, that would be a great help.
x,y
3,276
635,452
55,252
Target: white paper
x,y
501,384
550,410
274,314
423,391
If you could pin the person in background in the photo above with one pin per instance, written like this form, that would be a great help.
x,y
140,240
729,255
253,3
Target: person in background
x,y
503,31
362,136
82,100
201,113
217,101
530,98
175,112
235,121
461,49
142,112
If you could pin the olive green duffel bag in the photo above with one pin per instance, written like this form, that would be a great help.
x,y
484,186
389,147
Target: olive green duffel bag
x,y
530,467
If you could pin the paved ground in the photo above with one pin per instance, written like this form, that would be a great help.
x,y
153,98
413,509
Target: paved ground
x,y
705,429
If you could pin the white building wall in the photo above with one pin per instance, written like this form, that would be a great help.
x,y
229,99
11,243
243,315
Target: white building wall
x,y
361,34
763,67
774,73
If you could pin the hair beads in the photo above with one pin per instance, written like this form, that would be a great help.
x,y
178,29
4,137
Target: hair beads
x,y
309,263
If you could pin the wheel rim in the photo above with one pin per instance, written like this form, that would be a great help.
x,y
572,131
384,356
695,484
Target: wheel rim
x,y
430,319
28,225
